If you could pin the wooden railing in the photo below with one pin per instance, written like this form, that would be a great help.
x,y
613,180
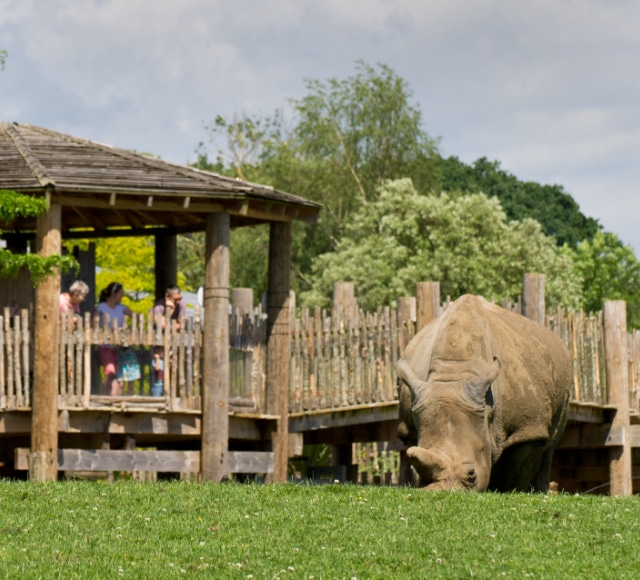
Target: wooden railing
x,y
340,359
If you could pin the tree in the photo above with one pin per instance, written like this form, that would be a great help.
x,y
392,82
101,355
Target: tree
x,y
14,205
550,205
464,241
610,271
349,137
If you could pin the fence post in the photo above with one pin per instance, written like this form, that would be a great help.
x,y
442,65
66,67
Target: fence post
x,y
242,300
406,309
533,306
427,303
617,369
344,295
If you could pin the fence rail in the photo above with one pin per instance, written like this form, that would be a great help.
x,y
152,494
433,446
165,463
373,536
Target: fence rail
x,y
339,359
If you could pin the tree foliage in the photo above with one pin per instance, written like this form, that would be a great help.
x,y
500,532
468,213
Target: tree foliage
x,y
550,205
14,205
610,271
464,241
348,137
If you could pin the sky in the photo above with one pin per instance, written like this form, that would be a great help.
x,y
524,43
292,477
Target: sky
x,y
550,88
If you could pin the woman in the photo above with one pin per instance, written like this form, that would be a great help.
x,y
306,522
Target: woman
x,y
110,305
71,300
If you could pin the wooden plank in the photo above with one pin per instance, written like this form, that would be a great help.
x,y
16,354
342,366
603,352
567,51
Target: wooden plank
x,y
533,306
427,303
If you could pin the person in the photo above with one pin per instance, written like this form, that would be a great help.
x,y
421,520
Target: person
x,y
70,301
170,304
118,366
170,307
157,365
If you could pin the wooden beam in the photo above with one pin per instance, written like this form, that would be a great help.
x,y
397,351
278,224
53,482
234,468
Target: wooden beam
x,y
158,461
166,262
215,408
427,303
44,418
617,369
533,306
158,203
278,341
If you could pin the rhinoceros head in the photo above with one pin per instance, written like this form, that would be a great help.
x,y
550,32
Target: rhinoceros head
x,y
447,422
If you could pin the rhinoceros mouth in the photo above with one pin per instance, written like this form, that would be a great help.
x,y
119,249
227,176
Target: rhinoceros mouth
x,y
434,475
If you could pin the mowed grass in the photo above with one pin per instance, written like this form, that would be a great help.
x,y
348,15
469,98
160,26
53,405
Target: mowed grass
x,y
166,530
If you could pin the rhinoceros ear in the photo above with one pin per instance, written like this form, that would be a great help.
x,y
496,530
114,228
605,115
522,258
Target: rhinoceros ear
x,y
477,389
417,386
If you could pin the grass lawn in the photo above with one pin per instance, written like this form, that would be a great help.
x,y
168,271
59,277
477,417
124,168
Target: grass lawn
x,y
166,530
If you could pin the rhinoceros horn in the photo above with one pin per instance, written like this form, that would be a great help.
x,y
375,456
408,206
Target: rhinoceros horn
x,y
417,386
477,389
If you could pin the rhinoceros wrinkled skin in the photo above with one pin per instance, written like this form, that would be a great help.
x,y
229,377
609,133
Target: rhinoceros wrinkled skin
x,y
483,399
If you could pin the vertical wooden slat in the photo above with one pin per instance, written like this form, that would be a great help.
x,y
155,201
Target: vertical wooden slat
x,y
427,303
533,300
26,356
11,398
17,350
3,382
86,393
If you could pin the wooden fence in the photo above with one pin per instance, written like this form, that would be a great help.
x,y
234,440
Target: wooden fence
x,y
340,359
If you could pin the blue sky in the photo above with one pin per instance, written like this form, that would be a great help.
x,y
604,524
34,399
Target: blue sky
x,y
548,87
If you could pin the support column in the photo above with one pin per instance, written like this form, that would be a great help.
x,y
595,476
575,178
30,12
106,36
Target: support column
x,y
166,262
427,303
278,341
242,300
533,306
215,388
43,461
617,369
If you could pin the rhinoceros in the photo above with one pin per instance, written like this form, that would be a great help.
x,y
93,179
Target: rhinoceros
x,y
483,399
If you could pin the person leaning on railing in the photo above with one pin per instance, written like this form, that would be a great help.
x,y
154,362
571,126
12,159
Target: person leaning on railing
x,y
70,301
119,364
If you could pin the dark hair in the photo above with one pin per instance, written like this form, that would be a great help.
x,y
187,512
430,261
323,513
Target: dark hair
x,y
109,291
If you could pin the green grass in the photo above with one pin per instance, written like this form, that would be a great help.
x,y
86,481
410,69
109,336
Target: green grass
x,y
166,530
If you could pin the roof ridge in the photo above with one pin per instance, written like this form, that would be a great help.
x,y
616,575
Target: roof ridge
x,y
38,170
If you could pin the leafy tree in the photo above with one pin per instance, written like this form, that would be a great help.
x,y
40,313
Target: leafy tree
x,y
464,241
129,261
14,205
349,137
610,271
3,58
550,205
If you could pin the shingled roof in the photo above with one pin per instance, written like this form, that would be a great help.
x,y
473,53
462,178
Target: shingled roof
x,y
102,187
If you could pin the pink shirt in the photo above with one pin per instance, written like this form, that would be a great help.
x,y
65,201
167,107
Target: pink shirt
x,y
65,304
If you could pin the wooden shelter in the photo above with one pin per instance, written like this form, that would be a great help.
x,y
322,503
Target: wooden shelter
x,y
96,190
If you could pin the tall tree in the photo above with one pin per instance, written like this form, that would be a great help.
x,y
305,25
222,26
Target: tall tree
x,y
349,136
550,205
464,241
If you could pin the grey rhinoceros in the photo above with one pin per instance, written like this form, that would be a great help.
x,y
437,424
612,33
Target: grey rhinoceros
x,y
483,399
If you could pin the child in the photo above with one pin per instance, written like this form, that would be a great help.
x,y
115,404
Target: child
x,y
157,365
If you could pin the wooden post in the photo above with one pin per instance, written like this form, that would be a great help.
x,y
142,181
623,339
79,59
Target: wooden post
x,y
406,309
427,303
242,299
166,262
533,306
215,388
617,369
43,461
344,295
278,342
